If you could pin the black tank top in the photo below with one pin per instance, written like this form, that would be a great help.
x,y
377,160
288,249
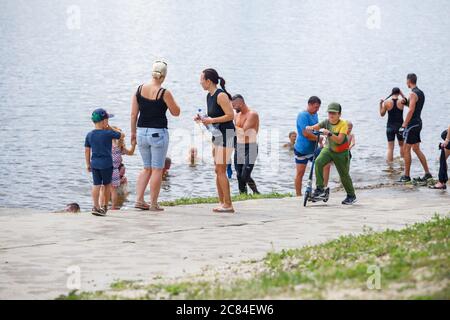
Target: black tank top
x,y
215,111
395,115
152,113
419,106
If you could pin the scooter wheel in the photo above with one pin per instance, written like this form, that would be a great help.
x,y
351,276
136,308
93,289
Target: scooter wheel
x,y
325,200
306,197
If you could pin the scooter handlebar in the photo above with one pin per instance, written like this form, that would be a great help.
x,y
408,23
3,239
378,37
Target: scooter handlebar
x,y
317,133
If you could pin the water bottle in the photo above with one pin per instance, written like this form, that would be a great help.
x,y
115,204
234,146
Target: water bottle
x,y
210,127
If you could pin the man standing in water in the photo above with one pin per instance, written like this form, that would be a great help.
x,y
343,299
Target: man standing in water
x,y
411,127
247,127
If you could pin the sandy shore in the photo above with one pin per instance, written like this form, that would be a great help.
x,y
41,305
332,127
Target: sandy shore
x,y
37,248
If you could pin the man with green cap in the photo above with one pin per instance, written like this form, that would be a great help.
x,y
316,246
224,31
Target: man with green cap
x,y
336,151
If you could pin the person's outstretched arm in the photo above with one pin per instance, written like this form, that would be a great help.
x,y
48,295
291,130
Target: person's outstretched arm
x,y
129,152
134,117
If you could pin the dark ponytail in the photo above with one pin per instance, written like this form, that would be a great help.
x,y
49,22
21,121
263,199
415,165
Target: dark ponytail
x,y
222,85
211,74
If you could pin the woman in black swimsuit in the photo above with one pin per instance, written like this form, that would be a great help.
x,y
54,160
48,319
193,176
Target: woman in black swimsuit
x,y
220,115
394,109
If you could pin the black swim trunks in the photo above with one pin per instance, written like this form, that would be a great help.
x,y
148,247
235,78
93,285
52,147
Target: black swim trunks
x,y
412,133
392,130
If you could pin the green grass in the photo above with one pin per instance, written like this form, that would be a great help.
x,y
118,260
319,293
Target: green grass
x,y
240,197
414,264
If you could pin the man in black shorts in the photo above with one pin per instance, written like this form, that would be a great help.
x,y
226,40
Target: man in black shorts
x,y
411,128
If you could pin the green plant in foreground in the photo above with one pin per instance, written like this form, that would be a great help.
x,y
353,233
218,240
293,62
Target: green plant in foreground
x,y
414,257
239,197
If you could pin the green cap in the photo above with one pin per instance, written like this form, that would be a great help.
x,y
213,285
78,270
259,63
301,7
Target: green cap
x,y
334,107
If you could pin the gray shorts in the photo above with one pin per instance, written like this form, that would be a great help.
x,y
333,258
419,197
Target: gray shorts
x,y
153,144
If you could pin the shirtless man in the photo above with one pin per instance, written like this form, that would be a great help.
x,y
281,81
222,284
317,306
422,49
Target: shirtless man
x,y
247,127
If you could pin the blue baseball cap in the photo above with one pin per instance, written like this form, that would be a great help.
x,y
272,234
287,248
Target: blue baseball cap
x,y
100,114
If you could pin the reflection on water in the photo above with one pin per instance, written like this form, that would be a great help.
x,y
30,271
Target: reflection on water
x,y
276,54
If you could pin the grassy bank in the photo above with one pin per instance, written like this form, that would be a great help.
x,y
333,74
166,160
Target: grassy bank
x,y
412,263
240,197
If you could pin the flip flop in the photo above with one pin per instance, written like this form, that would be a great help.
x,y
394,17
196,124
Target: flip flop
x,y
156,208
224,210
98,212
218,208
444,187
142,206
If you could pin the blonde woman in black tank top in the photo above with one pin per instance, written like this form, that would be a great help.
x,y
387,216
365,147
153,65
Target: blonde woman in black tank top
x,y
220,114
148,118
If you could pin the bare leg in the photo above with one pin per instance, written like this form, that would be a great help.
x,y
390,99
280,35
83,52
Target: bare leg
x,y
220,193
299,173
421,156
155,185
390,152
102,196
221,157
401,144
114,197
223,183
95,196
141,184
107,195
407,157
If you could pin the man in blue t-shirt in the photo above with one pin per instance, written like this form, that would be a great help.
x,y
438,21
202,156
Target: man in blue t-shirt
x,y
98,145
304,145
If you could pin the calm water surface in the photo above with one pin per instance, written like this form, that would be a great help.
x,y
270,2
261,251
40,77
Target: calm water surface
x,y
275,53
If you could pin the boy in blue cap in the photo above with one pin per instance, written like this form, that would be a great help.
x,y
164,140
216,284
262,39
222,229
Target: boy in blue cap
x,y
98,155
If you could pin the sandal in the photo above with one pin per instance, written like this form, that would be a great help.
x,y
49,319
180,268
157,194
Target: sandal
x,y
98,212
216,209
442,187
224,210
142,205
156,208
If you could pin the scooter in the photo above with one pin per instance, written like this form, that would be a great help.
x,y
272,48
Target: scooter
x,y
309,189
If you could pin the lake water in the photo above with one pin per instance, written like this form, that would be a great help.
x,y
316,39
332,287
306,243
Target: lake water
x,y
61,59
